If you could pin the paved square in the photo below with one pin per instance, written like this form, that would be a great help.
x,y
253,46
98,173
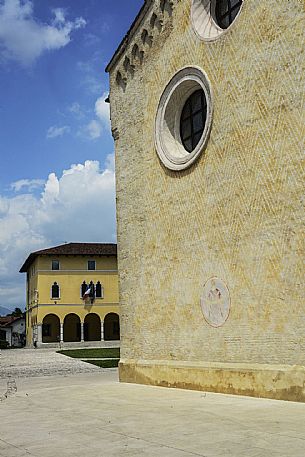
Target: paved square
x,y
77,414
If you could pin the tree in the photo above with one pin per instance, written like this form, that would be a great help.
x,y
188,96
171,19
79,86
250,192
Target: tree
x,y
17,312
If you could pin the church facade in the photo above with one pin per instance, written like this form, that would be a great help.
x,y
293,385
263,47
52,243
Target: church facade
x,y
207,110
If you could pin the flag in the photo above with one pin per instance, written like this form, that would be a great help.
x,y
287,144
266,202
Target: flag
x,y
87,293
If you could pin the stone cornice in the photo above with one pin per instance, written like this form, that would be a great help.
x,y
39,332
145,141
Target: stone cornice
x,y
129,35
152,18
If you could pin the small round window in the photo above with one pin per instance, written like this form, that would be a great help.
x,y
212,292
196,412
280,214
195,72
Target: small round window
x,y
193,119
212,18
226,11
184,118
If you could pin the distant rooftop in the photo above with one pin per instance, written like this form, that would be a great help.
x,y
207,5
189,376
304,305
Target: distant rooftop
x,y
8,320
72,249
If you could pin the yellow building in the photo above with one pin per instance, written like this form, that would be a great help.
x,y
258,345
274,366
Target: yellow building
x,y
72,295
207,112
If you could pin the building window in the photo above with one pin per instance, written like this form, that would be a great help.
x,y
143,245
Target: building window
x,y
99,290
83,289
212,18
192,120
92,290
88,290
226,11
55,264
184,118
91,264
55,291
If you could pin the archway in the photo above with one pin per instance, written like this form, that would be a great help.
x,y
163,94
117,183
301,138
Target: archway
x,y
50,329
92,327
72,330
111,327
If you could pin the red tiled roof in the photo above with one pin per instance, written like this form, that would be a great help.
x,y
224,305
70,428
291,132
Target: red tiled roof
x,y
92,249
8,320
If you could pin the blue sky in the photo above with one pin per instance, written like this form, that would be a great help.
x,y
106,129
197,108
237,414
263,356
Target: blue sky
x,y
57,169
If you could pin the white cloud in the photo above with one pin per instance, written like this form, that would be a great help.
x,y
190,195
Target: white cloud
x,y
96,127
51,190
76,110
79,205
4,206
59,14
29,184
79,23
93,130
24,39
102,110
110,162
54,132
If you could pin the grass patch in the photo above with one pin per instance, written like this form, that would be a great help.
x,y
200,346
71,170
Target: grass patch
x,y
92,353
113,363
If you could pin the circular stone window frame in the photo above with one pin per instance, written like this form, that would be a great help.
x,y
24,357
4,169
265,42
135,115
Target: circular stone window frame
x,y
203,19
167,126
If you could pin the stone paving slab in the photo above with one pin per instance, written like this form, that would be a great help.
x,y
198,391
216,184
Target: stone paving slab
x,y
20,363
93,415
71,413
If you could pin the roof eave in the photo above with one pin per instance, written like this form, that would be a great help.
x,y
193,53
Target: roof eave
x,y
28,263
129,35
46,252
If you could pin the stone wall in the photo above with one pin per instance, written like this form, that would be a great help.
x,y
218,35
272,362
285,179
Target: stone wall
x,y
236,214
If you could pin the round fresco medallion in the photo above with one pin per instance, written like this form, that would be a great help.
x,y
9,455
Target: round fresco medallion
x,y
215,302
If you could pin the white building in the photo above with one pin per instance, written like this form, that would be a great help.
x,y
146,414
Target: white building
x,y
12,329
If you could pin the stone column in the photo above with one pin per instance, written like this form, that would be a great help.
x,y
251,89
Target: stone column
x,y
34,334
82,332
39,333
102,330
61,338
